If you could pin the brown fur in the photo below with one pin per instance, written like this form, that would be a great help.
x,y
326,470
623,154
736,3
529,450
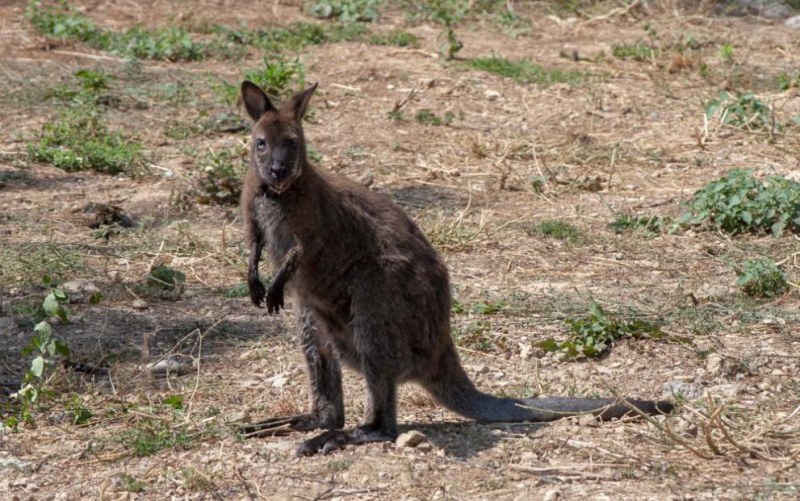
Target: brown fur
x,y
369,288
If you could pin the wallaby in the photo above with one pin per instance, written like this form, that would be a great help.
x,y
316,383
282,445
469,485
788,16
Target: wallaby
x,y
369,290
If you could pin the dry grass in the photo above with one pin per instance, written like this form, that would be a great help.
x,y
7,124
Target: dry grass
x,y
631,138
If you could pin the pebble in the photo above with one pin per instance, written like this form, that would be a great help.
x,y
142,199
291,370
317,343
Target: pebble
x,y
714,364
139,304
492,95
551,495
410,439
690,391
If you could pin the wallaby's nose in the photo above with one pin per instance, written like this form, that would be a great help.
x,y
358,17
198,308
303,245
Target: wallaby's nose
x,y
277,170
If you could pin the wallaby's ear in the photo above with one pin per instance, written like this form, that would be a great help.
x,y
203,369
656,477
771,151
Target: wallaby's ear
x,y
299,102
255,101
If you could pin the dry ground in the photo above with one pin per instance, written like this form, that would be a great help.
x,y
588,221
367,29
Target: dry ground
x,y
629,138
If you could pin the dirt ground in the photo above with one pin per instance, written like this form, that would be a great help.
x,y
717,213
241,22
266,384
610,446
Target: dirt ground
x,y
628,138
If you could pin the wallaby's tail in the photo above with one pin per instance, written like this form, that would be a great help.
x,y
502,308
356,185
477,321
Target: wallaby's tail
x,y
452,388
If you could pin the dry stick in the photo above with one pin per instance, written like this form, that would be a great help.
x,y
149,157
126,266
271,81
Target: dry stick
x,y
199,358
730,439
707,427
684,443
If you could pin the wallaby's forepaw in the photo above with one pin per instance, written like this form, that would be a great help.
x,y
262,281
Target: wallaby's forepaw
x,y
275,299
257,291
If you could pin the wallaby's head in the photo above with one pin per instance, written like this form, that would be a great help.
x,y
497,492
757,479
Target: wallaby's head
x,y
278,150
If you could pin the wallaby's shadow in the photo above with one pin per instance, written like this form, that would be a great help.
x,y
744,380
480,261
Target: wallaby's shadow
x,y
464,440
414,198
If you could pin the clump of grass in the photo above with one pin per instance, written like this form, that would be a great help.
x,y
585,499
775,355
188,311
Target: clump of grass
x,y
77,140
398,38
592,336
743,110
475,336
346,11
555,228
278,76
62,22
762,278
525,71
785,81
153,435
220,181
638,51
428,117
648,225
739,203
295,36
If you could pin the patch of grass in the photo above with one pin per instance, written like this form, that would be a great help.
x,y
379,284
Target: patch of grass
x,y
346,11
725,53
129,483
762,278
193,479
279,76
744,110
295,36
64,23
524,71
475,336
592,336
638,51
166,278
428,117
557,229
398,38
26,265
340,465
489,307
221,175
647,225
739,203
77,140
785,81
153,435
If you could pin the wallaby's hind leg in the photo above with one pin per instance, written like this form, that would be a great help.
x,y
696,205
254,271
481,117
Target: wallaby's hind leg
x,y
327,403
380,421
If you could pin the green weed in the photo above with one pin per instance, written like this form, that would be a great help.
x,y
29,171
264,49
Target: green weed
x,y
638,51
743,110
648,225
594,335
278,76
428,117
397,38
725,53
153,435
524,71
221,175
129,483
166,278
785,81
475,336
489,307
739,203
554,228
448,13
346,11
762,278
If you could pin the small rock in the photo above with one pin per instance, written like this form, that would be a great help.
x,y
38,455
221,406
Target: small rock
x,y
169,366
139,304
79,288
492,95
278,380
726,390
588,420
551,495
525,351
560,357
238,417
425,447
410,439
689,391
483,369
714,364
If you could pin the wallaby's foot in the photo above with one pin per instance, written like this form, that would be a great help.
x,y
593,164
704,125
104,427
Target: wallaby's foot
x,y
283,424
275,298
257,290
333,440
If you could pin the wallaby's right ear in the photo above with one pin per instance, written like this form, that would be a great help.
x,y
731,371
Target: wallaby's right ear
x,y
255,101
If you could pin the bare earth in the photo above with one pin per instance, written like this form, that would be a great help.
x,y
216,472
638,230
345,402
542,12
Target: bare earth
x,y
630,138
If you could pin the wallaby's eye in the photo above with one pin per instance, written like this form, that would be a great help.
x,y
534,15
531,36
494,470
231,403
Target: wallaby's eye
x,y
261,144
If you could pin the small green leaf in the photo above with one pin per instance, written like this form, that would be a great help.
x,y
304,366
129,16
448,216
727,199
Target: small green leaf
x,y
95,298
174,401
37,366
43,329
50,304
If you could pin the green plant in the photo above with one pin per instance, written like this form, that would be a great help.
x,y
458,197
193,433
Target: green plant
x,y
524,71
592,336
744,110
554,228
638,51
130,484
93,80
725,53
45,349
761,278
153,435
489,307
475,336
786,81
428,117
398,38
738,203
649,225
166,278
78,140
346,11
448,13
221,175
62,22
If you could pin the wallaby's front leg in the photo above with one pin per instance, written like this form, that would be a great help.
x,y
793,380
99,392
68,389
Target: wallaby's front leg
x,y
285,272
257,290
327,400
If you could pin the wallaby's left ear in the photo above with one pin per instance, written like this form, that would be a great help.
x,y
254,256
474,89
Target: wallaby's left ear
x,y
299,102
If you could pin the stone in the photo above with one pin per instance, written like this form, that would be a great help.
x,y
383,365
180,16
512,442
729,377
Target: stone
x,y
551,495
139,304
79,289
714,364
689,391
492,95
410,439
